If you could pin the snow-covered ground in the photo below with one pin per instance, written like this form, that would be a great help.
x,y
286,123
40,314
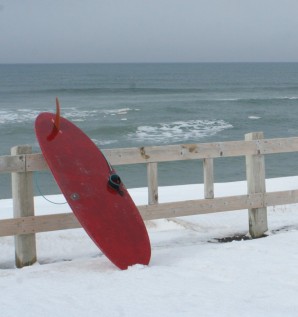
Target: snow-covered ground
x,y
190,273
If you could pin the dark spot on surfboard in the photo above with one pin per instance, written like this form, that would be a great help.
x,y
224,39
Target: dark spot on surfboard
x,y
143,153
75,196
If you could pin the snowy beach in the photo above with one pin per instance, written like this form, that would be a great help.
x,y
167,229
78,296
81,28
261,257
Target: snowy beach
x,y
191,272
195,100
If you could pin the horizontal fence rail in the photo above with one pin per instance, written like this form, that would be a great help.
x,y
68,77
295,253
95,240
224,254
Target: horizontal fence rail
x,y
35,224
150,154
22,163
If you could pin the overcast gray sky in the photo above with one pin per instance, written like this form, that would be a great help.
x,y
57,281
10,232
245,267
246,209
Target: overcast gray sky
x,y
37,31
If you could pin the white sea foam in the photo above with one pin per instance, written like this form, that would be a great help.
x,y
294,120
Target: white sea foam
x,y
103,142
291,98
256,98
254,117
75,114
179,130
113,112
18,116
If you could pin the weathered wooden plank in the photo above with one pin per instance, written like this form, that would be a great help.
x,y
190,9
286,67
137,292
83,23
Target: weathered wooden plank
x,y
279,145
177,152
208,178
36,162
200,151
220,204
152,183
255,174
23,206
202,206
168,153
34,224
12,163
27,225
281,198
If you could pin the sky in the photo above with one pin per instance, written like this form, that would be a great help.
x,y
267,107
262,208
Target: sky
x,y
104,31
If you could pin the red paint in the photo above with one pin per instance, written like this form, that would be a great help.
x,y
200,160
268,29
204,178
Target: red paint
x,y
110,218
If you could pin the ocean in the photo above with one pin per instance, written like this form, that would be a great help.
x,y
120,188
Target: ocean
x,y
133,105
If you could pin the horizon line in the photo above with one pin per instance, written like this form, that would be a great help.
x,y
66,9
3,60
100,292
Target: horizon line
x,y
123,63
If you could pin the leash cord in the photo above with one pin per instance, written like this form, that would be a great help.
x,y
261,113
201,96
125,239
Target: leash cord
x,y
42,195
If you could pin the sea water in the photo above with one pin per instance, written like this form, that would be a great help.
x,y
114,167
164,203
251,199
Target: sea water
x,y
133,105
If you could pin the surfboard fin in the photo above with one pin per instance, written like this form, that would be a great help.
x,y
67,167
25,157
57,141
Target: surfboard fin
x,y
57,117
56,122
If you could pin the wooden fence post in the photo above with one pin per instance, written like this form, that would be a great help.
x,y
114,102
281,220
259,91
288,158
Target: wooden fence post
x,y
152,183
23,206
208,178
256,183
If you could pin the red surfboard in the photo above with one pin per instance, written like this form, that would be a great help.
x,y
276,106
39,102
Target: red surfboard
x,y
93,190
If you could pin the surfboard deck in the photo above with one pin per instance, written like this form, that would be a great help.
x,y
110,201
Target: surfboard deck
x,y
86,179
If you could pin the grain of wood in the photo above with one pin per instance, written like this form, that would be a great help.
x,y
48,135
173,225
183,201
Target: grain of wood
x,y
23,206
255,174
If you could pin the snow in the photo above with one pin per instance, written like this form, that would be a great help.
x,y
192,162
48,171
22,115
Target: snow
x,y
190,273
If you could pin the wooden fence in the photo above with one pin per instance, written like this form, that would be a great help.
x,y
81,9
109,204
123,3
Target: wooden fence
x,y
22,163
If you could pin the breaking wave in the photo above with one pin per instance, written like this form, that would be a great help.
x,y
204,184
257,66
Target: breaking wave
x,y
179,131
18,116
73,114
